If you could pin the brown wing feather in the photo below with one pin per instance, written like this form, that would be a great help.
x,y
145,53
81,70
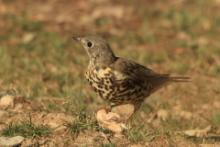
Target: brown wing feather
x,y
132,69
142,75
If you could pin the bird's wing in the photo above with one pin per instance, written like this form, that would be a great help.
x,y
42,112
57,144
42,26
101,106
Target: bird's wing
x,y
142,75
131,69
138,74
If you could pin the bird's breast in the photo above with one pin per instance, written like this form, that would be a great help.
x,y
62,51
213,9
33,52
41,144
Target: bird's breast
x,y
102,81
113,86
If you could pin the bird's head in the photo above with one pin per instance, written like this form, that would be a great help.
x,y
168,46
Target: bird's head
x,y
97,49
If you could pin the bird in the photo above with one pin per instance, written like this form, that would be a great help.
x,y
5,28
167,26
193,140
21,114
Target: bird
x,y
119,80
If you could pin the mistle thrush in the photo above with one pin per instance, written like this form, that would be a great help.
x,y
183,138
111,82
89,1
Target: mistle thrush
x,y
119,80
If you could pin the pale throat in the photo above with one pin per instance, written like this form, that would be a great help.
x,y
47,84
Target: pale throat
x,y
100,60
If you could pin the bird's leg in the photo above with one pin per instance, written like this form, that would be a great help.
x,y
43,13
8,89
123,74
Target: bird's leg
x,y
135,109
125,111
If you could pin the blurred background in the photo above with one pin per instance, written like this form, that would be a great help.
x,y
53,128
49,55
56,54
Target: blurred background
x,y
39,59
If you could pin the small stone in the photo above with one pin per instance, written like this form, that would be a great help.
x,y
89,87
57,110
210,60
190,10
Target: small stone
x,y
6,101
11,141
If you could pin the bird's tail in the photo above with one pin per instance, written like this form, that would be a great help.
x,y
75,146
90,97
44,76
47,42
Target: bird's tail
x,y
178,78
164,79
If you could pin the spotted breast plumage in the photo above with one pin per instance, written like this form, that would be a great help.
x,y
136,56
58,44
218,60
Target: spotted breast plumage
x,y
118,80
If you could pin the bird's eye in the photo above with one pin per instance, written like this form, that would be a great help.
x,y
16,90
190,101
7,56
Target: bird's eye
x,y
89,44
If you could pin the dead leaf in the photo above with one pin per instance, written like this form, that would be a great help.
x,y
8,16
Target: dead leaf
x,y
3,8
202,41
206,24
6,101
216,104
110,121
3,115
185,115
162,114
183,36
209,145
198,132
11,141
28,37
55,120
114,11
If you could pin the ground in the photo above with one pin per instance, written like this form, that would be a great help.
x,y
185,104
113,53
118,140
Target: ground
x,y
42,70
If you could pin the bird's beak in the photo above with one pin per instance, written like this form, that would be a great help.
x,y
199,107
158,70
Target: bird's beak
x,y
76,38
